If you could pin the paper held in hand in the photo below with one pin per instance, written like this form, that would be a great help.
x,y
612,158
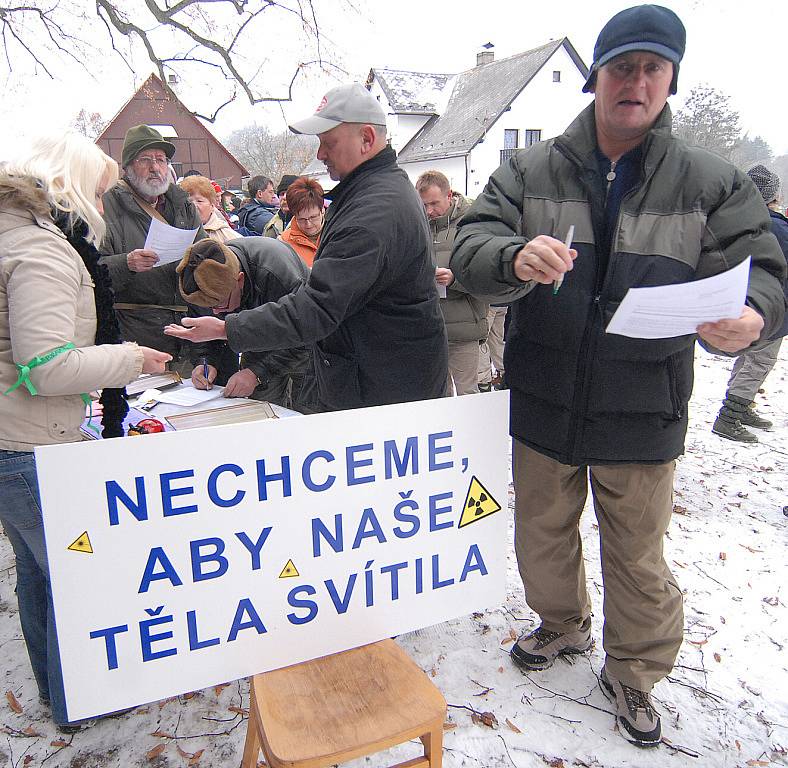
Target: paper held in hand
x,y
665,311
169,243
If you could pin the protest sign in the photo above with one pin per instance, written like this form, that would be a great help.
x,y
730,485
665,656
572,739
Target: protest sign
x,y
186,559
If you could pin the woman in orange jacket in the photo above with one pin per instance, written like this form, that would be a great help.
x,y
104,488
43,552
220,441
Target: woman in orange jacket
x,y
305,200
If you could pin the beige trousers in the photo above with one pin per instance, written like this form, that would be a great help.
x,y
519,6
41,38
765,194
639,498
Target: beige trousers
x,y
463,364
491,351
644,619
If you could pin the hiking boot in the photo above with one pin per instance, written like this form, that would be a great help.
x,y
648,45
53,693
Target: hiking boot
x,y
751,418
732,429
735,408
637,719
539,649
485,387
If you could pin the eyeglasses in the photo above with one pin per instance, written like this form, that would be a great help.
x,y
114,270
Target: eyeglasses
x,y
309,219
151,161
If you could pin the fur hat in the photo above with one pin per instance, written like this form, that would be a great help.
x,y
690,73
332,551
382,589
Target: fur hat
x,y
642,28
141,137
208,272
767,181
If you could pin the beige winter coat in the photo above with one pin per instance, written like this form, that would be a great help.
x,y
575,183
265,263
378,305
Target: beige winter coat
x,y
46,301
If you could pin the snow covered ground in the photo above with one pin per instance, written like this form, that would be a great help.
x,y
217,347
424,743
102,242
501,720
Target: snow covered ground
x,y
724,705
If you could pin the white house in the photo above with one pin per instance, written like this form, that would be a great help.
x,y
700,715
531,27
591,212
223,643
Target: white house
x,y
467,124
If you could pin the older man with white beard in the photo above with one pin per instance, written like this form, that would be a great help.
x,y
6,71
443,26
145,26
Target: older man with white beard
x,y
146,295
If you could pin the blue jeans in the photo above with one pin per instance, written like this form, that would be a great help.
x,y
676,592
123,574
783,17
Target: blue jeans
x,y
20,513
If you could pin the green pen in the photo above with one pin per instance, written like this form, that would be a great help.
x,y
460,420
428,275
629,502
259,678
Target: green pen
x,y
568,242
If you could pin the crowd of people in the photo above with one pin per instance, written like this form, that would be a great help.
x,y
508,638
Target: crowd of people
x,y
396,292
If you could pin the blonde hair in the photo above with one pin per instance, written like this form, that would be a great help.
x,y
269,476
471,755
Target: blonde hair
x,y
433,178
70,167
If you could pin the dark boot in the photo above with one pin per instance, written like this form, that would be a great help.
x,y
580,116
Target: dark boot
x,y
729,422
749,417
732,429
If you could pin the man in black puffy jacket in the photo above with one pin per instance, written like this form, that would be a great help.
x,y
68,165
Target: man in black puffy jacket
x,y
588,406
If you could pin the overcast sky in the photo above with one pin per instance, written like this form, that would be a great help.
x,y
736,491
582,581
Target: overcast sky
x,y
731,45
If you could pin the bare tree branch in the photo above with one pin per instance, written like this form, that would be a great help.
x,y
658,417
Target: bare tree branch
x,y
211,40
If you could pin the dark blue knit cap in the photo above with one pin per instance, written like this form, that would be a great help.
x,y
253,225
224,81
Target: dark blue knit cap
x,y
642,28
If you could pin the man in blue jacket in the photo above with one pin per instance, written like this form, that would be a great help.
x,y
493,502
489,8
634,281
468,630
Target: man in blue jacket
x,y
589,407
260,209
370,308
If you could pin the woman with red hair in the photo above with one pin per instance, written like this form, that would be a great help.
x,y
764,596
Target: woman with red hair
x,y
305,200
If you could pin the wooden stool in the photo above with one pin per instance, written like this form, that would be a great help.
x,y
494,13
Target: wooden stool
x,y
344,706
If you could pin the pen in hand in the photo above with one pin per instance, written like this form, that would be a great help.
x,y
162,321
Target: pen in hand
x,y
204,360
567,242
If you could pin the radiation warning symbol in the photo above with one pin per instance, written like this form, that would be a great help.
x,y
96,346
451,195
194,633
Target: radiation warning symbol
x,y
81,544
289,571
478,504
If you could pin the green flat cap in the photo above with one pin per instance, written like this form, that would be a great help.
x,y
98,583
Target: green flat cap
x,y
141,137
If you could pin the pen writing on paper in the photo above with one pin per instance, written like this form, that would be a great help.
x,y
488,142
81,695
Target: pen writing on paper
x,y
567,242
204,361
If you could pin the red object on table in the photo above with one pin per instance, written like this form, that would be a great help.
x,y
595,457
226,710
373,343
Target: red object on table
x,y
145,427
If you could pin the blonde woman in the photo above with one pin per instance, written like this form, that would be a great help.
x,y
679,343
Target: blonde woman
x,y
52,350
205,199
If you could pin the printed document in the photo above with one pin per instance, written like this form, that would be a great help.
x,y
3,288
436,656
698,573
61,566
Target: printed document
x,y
169,243
665,311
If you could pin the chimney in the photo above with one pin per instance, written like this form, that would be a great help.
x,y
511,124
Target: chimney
x,y
486,56
172,79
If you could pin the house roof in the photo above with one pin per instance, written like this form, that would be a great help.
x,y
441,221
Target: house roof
x,y
412,92
479,97
315,168
153,88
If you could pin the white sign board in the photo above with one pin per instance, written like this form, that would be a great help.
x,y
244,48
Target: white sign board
x,y
187,559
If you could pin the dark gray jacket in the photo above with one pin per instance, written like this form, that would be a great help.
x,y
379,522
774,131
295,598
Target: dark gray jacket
x,y
272,269
157,289
578,394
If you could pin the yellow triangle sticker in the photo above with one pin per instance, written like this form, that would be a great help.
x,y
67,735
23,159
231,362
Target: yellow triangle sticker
x,y
478,504
81,544
289,571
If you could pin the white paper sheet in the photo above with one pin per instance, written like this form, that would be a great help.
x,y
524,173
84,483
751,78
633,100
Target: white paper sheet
x,y
188,396
169,243
665,311
148,396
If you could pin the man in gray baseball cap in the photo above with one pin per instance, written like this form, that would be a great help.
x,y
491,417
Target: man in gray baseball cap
x,y
351,125
370,307
351,103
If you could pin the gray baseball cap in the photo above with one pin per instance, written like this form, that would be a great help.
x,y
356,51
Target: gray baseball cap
x,y
351,103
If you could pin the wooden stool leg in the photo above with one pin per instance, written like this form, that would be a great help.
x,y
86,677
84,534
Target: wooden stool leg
x,y
433,746
252,744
